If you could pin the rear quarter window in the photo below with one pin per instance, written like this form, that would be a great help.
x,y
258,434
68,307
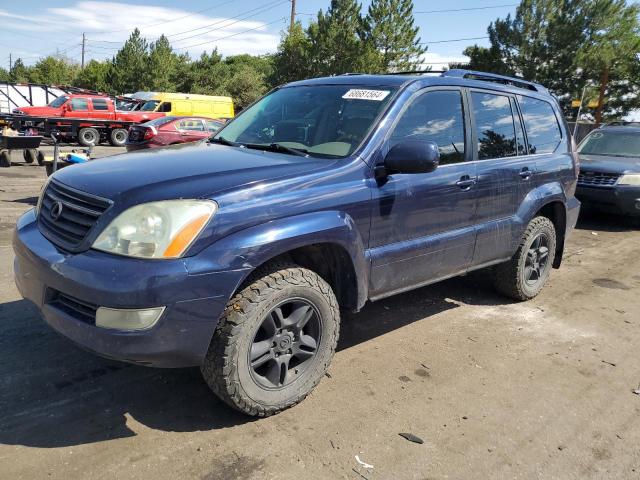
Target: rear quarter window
x,y
541,125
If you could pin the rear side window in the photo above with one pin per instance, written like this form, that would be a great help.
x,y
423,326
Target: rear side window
x,y
494,125
99,104
190,125
434,117
79,104
541,124
164,107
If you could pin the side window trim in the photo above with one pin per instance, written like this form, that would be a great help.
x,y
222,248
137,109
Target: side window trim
x,y
423,91
517,120
474,145
559,123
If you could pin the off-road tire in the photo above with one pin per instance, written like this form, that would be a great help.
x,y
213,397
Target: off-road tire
x,y
226,369
88,137
509,278
29,155
5,159
118,137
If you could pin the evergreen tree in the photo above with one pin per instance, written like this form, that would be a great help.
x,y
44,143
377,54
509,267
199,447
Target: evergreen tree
x,y
95,76
291,62
4,75
19,73
567,45
128,66
337,41
389,26
160,70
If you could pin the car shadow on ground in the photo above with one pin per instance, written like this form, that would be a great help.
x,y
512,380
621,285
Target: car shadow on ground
x,y
54,394
605,222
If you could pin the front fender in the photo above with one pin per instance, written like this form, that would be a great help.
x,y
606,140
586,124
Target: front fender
x,y
249,248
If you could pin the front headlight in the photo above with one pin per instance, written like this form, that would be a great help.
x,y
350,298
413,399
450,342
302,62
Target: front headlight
x,y
156,230
630,179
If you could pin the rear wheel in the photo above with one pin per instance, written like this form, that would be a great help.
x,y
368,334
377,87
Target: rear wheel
x,y
5,159
88,137
522,277
274,341
118,137
29,155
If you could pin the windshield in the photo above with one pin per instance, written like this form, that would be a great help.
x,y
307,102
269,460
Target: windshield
x,y
58,102
150,105
617,144
325,120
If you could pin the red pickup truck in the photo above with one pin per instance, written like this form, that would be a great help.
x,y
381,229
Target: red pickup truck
x,y
93,107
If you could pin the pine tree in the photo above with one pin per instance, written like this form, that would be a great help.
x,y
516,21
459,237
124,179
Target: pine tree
x,y
337,41
389,26
291,62
129,64
19,73
567,45
94,76
161,66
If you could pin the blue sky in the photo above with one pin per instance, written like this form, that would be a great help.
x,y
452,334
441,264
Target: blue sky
x,y
36,28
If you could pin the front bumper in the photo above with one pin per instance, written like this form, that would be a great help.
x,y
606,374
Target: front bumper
x,y
620,199
181,336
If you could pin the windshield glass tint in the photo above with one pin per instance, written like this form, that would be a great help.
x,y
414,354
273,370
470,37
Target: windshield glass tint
x,y
150,106
620,144
325,120
58,102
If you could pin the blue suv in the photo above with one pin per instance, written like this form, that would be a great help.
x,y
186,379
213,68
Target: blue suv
x,y
237,254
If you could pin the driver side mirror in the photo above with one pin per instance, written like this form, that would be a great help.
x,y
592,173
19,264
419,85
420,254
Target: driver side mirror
x,y
412,156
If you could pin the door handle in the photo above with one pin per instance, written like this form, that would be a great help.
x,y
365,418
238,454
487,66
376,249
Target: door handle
x,y
466,182
525,173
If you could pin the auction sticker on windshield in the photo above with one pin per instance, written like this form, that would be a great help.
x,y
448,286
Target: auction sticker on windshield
x,y
375,95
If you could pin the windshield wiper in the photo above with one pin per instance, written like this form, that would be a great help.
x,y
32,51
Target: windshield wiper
x,y
278,147
224,141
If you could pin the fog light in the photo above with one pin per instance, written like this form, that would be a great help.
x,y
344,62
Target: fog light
x,y
128,319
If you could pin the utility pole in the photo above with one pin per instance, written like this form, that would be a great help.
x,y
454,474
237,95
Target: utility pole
x,y
84,41
10,63
293,15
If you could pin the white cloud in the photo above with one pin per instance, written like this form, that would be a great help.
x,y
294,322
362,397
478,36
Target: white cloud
x,y
439,61
108,25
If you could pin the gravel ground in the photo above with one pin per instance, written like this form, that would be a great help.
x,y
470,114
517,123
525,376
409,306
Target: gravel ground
x,y
495,389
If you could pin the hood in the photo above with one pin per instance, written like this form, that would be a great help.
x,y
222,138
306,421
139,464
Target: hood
x,y
40,111
182,171
610,164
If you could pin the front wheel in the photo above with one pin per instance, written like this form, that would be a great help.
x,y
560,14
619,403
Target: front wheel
x,y
522,277
274,341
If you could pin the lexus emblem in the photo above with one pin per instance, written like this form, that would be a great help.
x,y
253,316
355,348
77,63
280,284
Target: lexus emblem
x,y
56,210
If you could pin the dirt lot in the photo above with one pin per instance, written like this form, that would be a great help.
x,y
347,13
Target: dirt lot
x,y
496,389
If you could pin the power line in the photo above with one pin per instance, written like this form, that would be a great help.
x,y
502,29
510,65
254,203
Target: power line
x,y
453,40
488,7
244,16
233,35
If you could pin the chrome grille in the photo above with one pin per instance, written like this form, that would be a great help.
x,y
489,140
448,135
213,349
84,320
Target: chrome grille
x,y
67,215
597,179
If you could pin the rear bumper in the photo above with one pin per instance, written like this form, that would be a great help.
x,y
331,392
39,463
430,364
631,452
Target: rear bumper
x,y
620,200
181,336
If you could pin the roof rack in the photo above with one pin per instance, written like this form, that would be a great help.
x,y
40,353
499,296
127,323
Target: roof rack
x,y
415,72
492,77
621,123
